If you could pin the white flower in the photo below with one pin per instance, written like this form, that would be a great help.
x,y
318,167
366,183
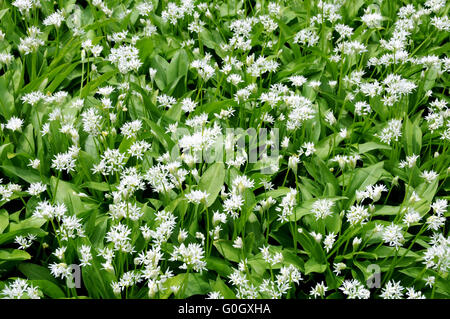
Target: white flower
x,y
55,19
166,100
371,19
130,129
20,289
233,204
435,222
429,281
411,217
33,98
429,176
60,270
412,294
126,58
59,252
238,243
36,188
393,235
307,37
188,105
338,267
317,236
410,161
86,255
214,295
32,42
235,79
119,235
287,205
354,290
64,161
392,131
392,290
362,108
297,80
319,290
356,241
197,196
23,242
14,124
92,121
329,118
240,183
439,206
357,215
182,235
329,241
309,148
192,256
322,208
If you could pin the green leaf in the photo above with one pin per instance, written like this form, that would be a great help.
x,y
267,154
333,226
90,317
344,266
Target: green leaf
x,y
36,272
11,235
389,252
49,288
26,174
275,193
413,138
65,192
306,206
364,177
370,146
91,86
218,265
226,249
159,133
7,100
197,285
32,222
221,287
212,181
61,77
161,66
313,266
4,220
177,69
312,247
103,187
97,281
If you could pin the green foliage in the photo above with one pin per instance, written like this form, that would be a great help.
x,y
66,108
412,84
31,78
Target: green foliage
x,y
236,149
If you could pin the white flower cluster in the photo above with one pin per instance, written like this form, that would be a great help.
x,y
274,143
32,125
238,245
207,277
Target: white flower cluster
x,y
126,57
191,255
20,289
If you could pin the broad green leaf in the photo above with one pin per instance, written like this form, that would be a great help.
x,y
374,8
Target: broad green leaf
x,y
11,235
221,287
370,146
212,181
14,254
49,288
27,175
4,220
313,266
218,265
36,272
413,138
97,281
364,177
226,249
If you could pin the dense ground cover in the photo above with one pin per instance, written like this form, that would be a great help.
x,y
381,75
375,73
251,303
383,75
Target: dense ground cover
x,y
255,149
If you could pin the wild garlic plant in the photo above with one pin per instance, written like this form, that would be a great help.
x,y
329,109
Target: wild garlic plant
x,y
229,149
